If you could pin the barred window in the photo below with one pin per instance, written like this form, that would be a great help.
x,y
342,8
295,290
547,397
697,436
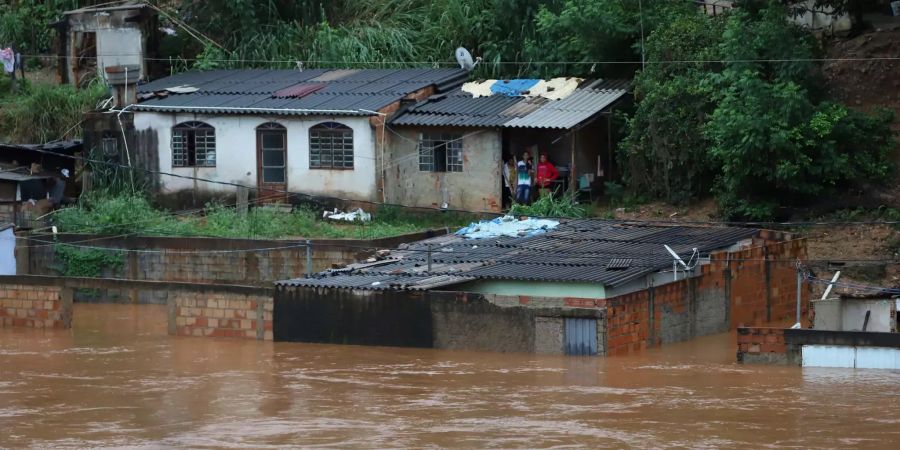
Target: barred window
x,y
193,145
440,152
330,146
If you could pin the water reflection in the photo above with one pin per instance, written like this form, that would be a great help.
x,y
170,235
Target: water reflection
x,y
116,379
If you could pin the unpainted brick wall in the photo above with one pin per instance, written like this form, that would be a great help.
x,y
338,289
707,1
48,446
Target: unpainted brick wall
x,y
748,287
760,340
35,306
220,314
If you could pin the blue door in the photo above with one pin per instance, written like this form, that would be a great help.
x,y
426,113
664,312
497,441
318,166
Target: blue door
x,y
581,337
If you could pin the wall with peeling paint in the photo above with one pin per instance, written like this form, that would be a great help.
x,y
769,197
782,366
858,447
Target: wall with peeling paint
x,y
477,187
236,155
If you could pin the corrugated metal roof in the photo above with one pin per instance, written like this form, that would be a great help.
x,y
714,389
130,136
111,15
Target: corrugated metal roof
x,y
459,108
344,92
579,250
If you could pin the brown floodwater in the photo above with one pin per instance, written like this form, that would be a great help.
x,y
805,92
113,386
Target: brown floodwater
x,y
117,380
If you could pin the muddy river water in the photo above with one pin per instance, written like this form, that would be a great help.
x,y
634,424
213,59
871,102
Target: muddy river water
x,y
117,380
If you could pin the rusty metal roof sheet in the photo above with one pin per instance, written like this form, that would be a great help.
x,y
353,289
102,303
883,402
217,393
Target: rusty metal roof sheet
x,y
459,108
578,250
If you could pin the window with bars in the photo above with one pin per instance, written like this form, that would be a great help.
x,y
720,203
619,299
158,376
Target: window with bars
x,y
440,152
330,146
193,145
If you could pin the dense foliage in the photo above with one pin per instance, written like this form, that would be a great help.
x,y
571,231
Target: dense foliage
x,y
735,105
43,113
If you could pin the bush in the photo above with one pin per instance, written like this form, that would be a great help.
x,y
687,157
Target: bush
x,y
547,205
739,112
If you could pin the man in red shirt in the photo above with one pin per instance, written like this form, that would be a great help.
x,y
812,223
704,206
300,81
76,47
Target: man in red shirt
x,y
546,172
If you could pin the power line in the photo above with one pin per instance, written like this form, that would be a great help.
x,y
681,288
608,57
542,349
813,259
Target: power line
x,y
503,63
752,224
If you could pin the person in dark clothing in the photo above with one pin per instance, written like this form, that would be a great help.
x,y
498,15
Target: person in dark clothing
x,y
524,179
56,193
508,169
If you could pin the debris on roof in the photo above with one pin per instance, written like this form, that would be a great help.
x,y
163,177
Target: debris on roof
x,y
508,226
553,89
559,103
577,250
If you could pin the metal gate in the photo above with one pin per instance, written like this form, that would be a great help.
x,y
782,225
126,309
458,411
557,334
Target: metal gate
x,y
581,337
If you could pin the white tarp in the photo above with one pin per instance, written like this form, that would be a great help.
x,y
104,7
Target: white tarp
x,y
507,226
353,216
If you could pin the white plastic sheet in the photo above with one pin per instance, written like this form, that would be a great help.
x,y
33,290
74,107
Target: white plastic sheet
x,y
508,226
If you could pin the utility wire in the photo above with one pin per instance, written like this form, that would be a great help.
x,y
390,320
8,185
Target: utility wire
x,y
511,63
751,224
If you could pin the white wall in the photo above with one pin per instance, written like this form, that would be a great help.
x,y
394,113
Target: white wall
x,y
236,155
119,47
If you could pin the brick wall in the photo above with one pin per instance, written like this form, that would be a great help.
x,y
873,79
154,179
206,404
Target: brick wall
x,y
748,287
184,260
35,306
221,314
761,345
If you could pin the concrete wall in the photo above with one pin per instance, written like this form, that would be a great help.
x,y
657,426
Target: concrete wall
x,y
34,306
477,187
218,313
209,260
236,149
850,314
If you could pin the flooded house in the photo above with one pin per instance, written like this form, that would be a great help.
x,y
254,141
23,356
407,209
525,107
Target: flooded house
x,y
578,286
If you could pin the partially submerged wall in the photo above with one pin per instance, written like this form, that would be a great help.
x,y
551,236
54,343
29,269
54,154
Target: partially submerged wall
x,y
210,260
34,306
747,287
818,348
208,310
447,320
221,313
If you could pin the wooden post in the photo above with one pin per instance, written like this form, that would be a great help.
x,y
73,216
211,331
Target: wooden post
x,y
243,200
573,173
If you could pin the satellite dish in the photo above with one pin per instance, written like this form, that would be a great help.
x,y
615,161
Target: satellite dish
x,y
464,58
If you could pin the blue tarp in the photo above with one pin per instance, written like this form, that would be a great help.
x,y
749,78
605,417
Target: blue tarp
x,y
512,88
506,226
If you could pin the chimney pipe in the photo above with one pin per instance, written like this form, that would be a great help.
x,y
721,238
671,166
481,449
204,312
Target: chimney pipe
x,y
123,81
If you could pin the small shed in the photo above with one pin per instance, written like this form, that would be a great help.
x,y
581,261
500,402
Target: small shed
x,y
108,35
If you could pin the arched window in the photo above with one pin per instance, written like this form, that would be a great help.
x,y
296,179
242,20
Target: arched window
x,y
193,145
330,146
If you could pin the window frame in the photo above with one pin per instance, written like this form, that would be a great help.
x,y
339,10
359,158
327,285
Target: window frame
x,y
441,152
191,135
331,131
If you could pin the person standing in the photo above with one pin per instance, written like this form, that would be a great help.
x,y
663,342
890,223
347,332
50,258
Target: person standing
x,y
509,185
546,173
524,179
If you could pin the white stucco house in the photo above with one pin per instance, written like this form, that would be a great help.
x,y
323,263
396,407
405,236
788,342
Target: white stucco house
x,y
318,132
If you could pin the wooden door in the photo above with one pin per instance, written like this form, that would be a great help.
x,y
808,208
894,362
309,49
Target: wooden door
x,y
271,161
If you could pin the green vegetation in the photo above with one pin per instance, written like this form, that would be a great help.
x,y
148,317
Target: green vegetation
x,y
134,214
78,262
565,205
27,23
42,113
739,112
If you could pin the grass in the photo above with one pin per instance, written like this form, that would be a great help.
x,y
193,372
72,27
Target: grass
x,y
41,113
126,214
